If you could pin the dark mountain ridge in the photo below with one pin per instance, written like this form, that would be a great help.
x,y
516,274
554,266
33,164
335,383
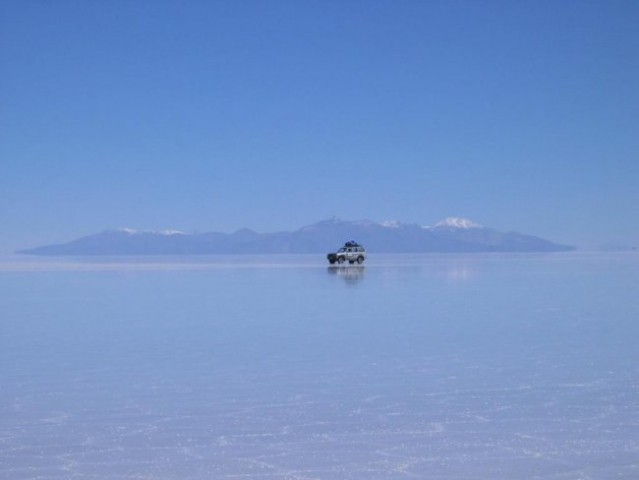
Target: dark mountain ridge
x,y
452,235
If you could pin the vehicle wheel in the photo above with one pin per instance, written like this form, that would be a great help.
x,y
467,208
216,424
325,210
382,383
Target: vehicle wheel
x,y
331,262
360,260
340,260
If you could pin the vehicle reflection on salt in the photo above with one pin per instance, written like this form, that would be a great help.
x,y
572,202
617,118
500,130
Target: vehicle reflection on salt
x,y
351,274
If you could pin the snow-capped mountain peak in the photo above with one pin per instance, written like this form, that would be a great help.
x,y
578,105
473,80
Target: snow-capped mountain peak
x,y
131,231
391,224
457,222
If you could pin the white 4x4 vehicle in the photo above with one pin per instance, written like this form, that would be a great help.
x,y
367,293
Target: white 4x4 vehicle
x,y
351,251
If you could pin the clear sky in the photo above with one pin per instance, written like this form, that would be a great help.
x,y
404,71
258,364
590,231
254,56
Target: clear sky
x,y
212,116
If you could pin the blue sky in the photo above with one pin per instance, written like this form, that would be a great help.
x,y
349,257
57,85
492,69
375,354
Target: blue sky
x,y
212,116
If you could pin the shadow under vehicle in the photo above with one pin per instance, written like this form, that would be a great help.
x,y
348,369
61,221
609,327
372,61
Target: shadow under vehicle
x,y
351,252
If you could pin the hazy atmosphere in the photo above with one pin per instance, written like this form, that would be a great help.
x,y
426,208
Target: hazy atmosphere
x,y
304,240
213,116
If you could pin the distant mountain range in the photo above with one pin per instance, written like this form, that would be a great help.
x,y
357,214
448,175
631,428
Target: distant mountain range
x,y
451,235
